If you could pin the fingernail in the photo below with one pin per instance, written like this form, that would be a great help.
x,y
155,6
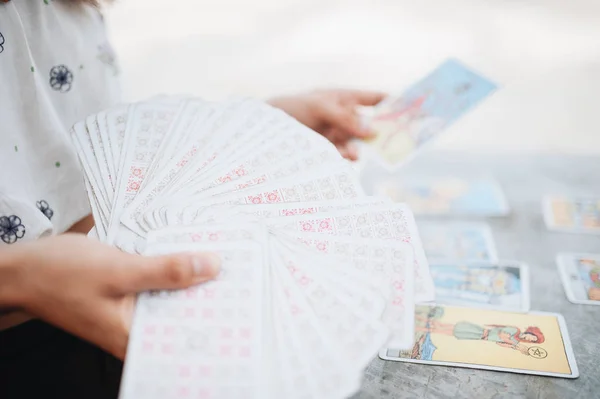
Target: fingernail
x,y
369,135
206,264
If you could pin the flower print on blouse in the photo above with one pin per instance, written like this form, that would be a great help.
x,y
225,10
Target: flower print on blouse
x,y
45,209
11,229
61,78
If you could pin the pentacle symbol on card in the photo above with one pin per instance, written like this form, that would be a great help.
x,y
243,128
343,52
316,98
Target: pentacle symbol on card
x,y
537,352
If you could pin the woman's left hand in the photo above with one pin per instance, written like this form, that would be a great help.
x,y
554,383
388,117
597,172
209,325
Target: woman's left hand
x,y
331,113
88,289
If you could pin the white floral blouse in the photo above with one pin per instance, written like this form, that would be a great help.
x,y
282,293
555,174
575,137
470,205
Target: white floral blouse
x,y
56,67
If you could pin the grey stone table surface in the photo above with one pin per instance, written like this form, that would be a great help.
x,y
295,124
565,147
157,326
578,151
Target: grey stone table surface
x,y
520,236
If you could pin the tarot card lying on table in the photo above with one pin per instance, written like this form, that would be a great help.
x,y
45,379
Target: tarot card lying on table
x,y
572,215
458,241
580,275
312,268
501,285
528,343
448,196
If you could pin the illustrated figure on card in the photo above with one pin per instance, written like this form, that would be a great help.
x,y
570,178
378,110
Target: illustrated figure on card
x,y
506,336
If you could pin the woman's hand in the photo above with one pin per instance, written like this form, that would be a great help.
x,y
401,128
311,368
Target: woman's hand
x,y
331,113
88,288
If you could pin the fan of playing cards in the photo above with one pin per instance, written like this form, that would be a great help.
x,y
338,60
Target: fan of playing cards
x,y
316,277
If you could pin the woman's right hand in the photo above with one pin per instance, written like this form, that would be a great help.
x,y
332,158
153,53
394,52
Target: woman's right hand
x,y
88,288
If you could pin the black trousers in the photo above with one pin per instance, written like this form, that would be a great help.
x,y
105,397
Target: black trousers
x,y
41,361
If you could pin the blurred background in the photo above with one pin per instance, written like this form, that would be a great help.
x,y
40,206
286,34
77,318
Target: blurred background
x,y
545,55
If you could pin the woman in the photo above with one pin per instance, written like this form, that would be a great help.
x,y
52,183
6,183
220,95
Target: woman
x,y
66,301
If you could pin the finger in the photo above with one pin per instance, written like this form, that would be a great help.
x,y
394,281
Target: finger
x,y
167,272
352,151
348,151
343,119
366,98
340,141
342,150
335,136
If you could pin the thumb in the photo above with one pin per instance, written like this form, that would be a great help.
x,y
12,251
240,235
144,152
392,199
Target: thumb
x,y
167,272
366,98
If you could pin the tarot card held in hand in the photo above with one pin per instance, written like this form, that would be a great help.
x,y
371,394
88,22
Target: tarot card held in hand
x,y
573,215
504,285
458,241
580,275
405,123
428,195
529,343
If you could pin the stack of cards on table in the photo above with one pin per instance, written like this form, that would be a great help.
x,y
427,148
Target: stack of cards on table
x,y
580,273
316,277
481,318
